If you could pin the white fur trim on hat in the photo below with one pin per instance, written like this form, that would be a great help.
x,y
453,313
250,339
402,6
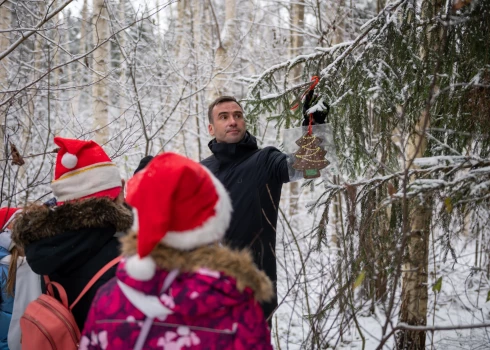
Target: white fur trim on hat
x,y
69,160
86,181
141,269
211,231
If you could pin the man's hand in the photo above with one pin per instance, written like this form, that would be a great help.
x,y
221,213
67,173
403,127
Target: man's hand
x,y
318,116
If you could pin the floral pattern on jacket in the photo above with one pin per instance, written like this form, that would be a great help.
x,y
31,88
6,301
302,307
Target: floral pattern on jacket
x,y
207,310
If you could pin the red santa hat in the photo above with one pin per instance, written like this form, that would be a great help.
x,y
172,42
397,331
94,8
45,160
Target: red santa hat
x,y
84,170
7,215
177,202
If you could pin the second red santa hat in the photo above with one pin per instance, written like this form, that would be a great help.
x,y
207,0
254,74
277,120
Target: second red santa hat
x,y
84,170
7,214
177,202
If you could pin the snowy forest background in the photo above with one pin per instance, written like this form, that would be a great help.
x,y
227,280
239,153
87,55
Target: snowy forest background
x,y
393,252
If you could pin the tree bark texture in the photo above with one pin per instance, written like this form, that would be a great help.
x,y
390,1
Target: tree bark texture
x,y
414,296
5,18
224,53
101,62
298,24
413,309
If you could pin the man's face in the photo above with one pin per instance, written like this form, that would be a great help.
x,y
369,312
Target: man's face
x,y
228,123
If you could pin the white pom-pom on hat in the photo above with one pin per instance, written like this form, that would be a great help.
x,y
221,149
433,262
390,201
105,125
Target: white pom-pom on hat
x,y
69,160
141,269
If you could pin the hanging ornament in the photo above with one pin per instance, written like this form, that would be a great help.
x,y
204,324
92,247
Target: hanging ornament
x,y
310,157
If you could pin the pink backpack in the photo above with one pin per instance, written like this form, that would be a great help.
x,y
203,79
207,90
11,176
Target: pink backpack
x,y
48,323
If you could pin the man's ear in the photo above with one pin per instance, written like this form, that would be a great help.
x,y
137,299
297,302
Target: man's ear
x,y
211,129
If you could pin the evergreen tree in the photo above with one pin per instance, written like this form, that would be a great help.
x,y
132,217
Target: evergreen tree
x,y
410,104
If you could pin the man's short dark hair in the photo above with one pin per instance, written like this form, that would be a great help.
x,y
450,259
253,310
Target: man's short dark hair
x,y
219,100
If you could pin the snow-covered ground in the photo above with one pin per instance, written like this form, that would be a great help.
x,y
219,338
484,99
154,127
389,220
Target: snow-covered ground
x,y
460,302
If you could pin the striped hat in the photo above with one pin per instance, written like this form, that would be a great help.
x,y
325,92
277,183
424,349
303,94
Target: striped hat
x,y
84,170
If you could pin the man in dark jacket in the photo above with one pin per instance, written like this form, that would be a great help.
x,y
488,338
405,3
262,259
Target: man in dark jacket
x,y
254,179
71,241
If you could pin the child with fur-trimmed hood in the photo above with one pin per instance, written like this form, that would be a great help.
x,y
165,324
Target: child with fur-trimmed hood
x,y
176,288
72,241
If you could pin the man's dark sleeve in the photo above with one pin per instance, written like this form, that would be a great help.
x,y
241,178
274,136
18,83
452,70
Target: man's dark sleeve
x,y
276,165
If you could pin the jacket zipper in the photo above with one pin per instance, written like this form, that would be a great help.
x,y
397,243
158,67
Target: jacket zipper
x,y
63,318
173,325
42,329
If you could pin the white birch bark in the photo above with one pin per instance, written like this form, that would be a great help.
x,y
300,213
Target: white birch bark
x,y
224,52
101,62
4,65
79,70
414,295
297,24
4,43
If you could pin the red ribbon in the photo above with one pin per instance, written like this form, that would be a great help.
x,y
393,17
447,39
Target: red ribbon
x,y
314,82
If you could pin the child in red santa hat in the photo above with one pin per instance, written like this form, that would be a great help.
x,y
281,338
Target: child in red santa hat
x,y
74,240
177,288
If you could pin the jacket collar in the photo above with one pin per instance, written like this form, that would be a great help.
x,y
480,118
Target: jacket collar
x,y
236,264
228,152
38,221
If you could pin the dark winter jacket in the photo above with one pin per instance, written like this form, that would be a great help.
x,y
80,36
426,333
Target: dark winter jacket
x,y
254,179
211,304
71,243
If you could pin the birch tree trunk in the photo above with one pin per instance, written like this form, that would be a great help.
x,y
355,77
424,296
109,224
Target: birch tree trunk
x,y
414,295
197,14
337,205
179,26
58,119
182,27
31,104
123,65
5,18
298,24
101,62
224,56
84,43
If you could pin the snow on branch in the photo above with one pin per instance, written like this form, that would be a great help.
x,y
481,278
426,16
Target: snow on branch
x,y
469,178
349,47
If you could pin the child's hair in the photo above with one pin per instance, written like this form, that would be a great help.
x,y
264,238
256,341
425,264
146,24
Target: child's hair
x,y
15,253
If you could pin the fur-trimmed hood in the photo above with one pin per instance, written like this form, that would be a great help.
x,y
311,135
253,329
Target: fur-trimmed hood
x,y
236,264
38,221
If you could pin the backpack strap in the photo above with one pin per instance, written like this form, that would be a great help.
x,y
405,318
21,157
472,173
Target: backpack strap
x,y
47,286
61,292
94,279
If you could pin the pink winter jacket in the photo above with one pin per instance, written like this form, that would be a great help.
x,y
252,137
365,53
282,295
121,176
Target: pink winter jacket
x,y
202,309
